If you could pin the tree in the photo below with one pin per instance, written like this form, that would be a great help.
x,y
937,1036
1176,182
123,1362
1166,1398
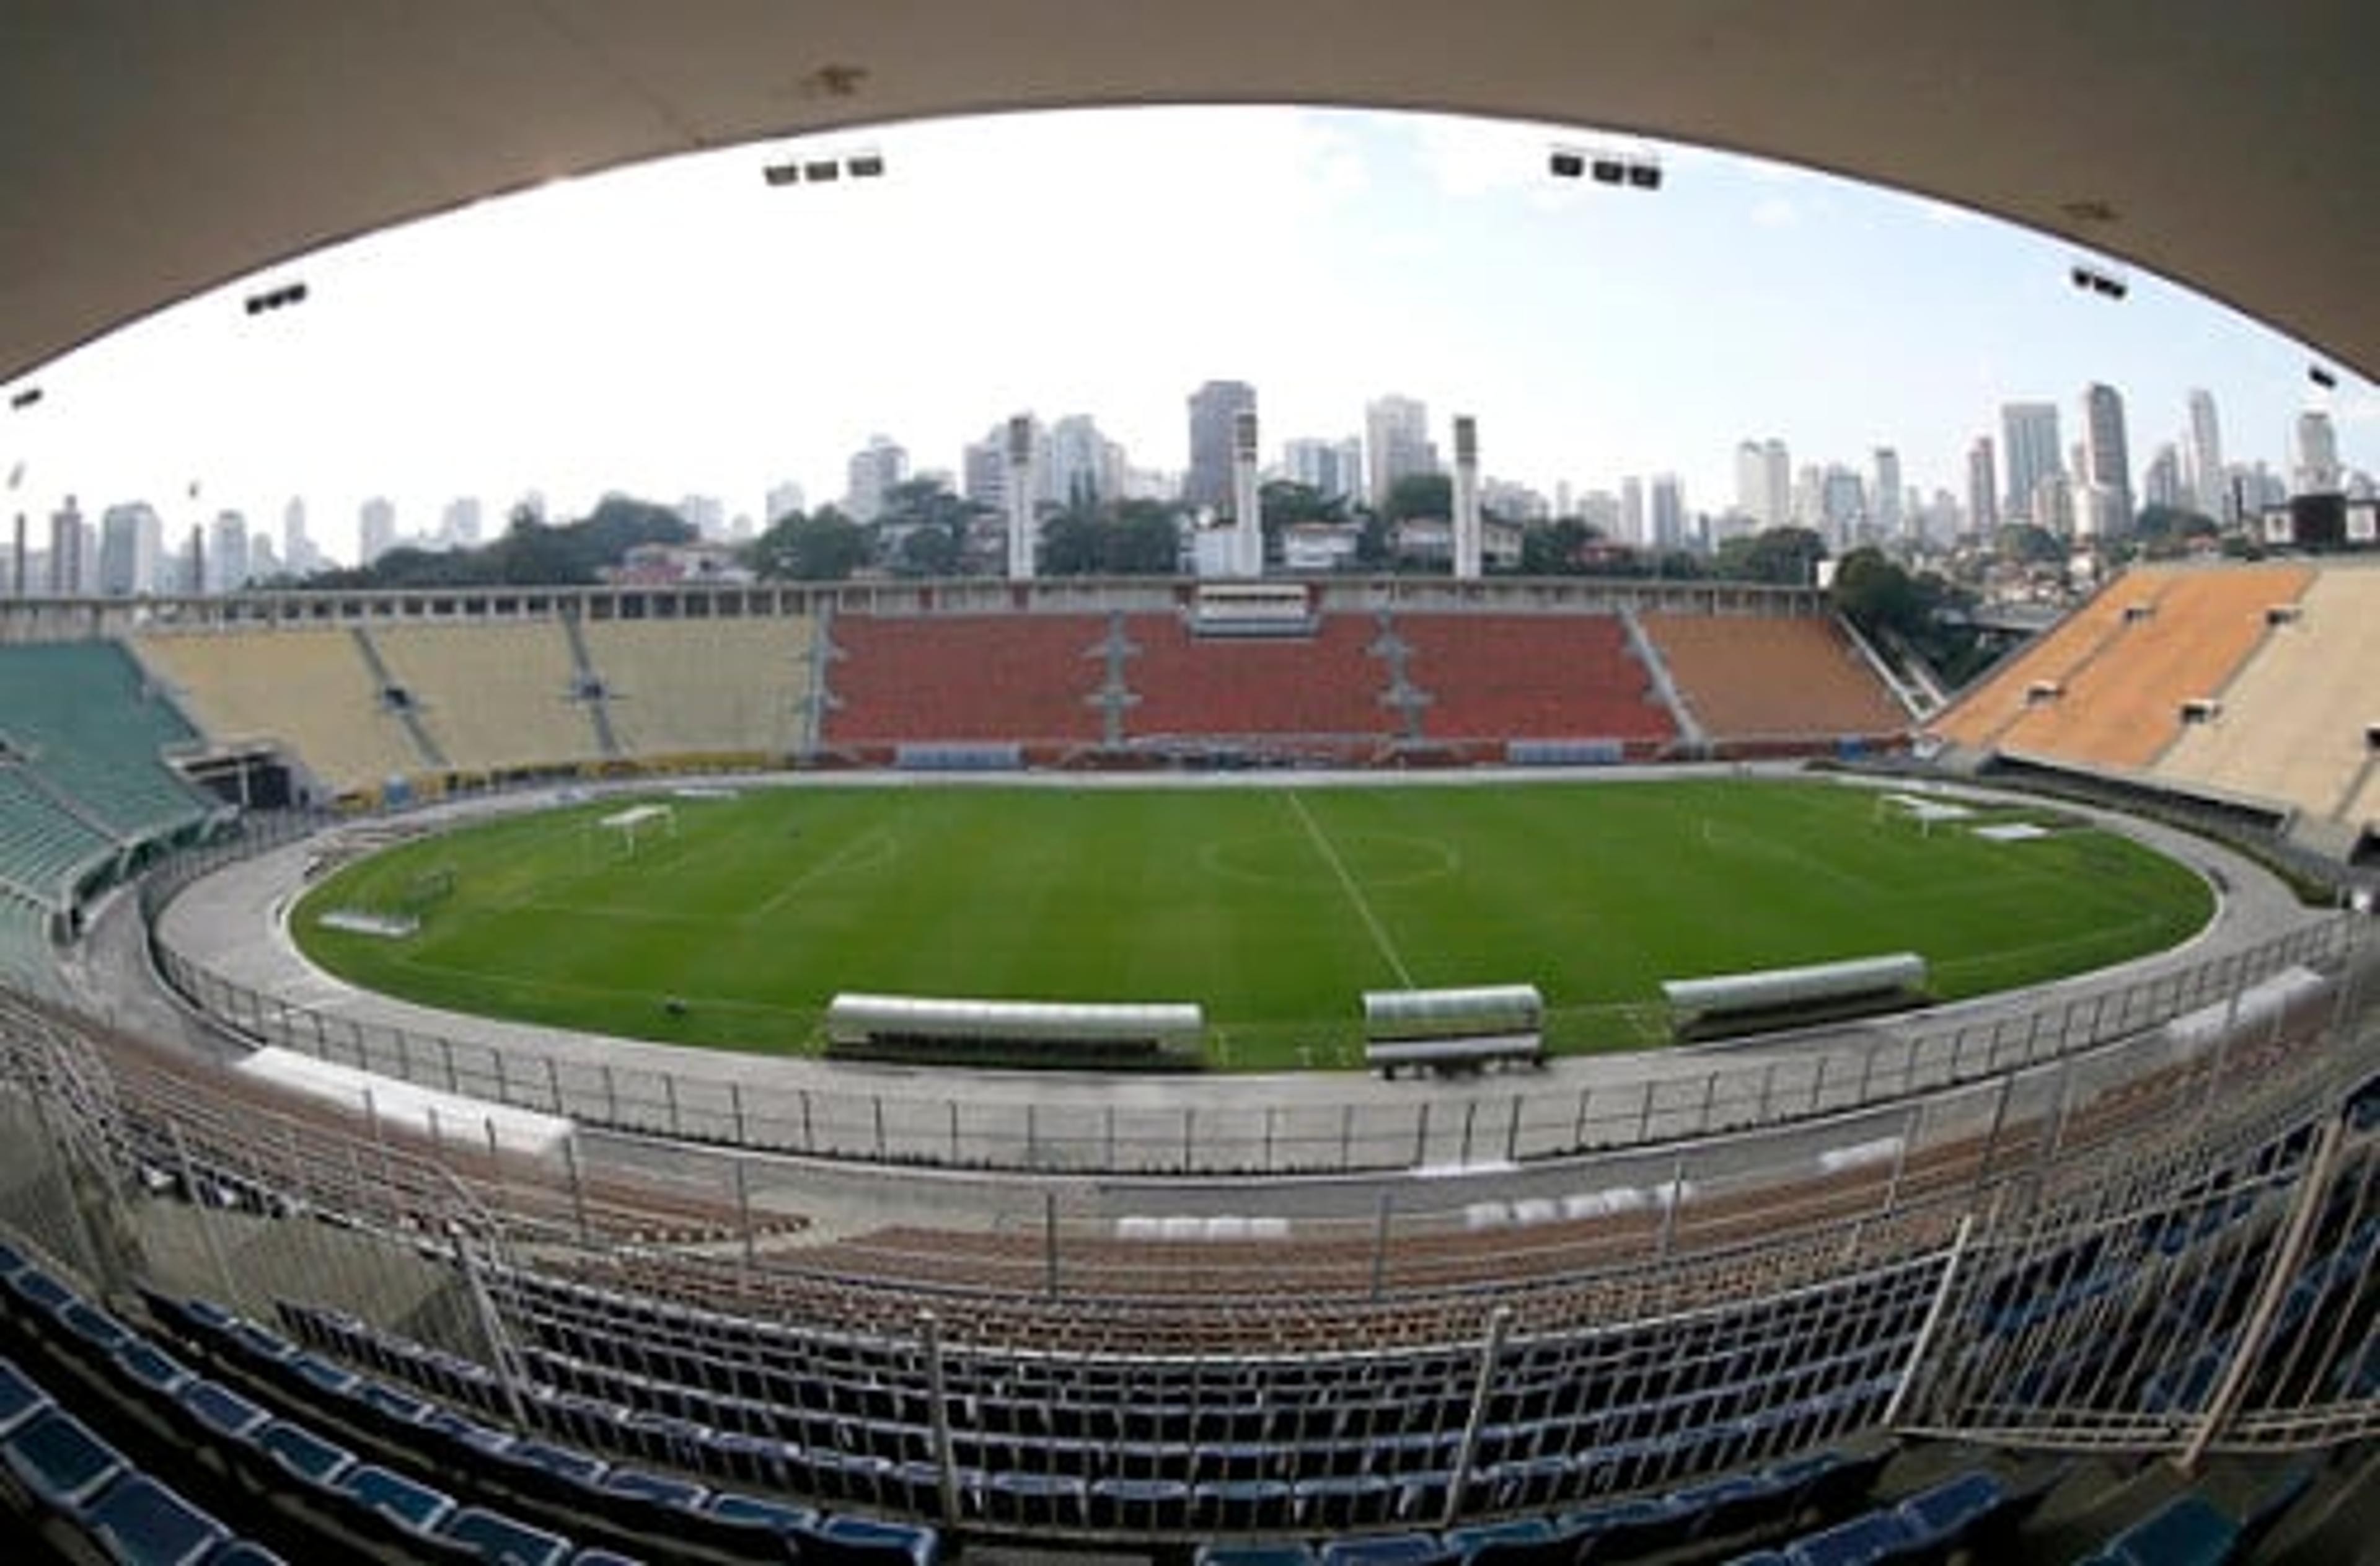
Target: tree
x,y
1144,540
530,553
1879,595
2025,544
1071,545
1419,494
1788,556
927,526
1556,549
825,546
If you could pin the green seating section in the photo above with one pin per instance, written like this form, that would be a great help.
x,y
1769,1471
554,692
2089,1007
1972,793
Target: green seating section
x,y
82,715
44,848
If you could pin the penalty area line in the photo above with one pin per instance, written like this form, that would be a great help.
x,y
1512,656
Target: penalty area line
x,y
1347,882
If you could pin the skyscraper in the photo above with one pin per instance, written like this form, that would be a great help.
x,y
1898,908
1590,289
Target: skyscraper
x,y
1983,488
1885,513
2316,457
1332,468
1668,513
1396,443
375,530
131,550
2210,487
2161,480
2106,460
66,551
297,550
2029,436
1632,511
1764,482
228,554
872,473
1213,406
1084,465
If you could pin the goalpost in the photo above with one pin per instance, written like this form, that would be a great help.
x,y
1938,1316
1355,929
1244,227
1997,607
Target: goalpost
x,y
628,830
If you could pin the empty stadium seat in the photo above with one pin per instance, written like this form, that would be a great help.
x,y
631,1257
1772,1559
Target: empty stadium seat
x,y
1786,679
1025,678
1521,676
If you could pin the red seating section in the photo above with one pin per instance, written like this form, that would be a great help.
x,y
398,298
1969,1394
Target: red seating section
x,y
965,677
1532,676
1327,683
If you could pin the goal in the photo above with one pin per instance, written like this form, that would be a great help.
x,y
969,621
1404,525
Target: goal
x,y
628,831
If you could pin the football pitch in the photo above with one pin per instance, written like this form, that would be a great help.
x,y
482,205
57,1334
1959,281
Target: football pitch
x,y
1274,906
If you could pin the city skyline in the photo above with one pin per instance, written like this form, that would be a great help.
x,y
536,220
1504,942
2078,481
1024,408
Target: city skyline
x,y
680,330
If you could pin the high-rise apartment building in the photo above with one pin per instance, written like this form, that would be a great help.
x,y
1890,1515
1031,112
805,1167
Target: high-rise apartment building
x,y
375,530
870,475
2029,441
227,564
2161,480
1764,482
1083,466
131,550
1396,443
1213,407
1983,487
65,573
2210,485
1886,513
2315,461
782,500
1668,512
1333,469
2106,468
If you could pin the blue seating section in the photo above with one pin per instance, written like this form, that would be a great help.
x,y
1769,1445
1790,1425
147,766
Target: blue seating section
x,y
535,1499
1188,1446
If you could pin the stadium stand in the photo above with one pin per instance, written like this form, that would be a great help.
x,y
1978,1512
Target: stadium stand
x,y
2122,707
1750,679
1028,678
1519,676
2292,726
1326,686
724,688
83,716
304,688
496,695
1984,711
45,850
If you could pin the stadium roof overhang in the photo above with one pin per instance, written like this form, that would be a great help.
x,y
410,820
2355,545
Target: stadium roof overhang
x,y
151,150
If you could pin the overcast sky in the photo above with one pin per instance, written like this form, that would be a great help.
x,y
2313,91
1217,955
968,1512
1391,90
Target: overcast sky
x,y
685,328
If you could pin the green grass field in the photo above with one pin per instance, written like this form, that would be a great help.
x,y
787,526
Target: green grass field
x,y
1273,906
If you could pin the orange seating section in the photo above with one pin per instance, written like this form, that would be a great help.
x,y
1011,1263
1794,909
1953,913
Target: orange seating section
x,y
1532,676
2124,707
1773,677
1984,713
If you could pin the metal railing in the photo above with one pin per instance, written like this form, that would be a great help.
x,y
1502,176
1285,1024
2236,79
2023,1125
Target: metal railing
x,y
1833,1074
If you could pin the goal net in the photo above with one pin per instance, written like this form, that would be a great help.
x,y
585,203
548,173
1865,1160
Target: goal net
x,y
629,832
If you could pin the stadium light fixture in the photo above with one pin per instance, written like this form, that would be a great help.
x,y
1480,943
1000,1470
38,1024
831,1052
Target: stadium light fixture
x,y
1566,163
865,165
24,397
2321,376
275,298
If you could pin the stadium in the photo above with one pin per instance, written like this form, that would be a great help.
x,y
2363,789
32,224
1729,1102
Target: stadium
x,y
1924,1130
